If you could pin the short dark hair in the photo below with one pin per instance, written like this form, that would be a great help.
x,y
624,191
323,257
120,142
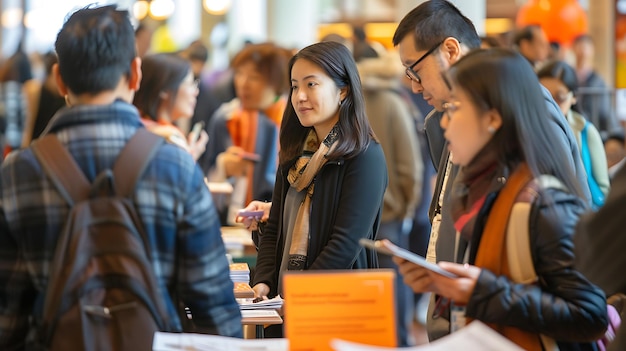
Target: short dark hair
x,y
487,77
525,33
197,51
95,47
355,132
433,21
162,73
270,61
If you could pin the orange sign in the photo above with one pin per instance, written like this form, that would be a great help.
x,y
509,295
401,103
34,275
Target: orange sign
x,y
355,305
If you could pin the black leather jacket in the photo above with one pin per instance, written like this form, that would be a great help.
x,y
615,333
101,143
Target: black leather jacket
x,y
564,305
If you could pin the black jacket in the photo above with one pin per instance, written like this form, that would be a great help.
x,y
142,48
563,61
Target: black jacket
x,y
346,206
564,305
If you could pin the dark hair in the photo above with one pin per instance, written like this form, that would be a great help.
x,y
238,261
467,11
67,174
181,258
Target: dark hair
x,y
561,71
162,73
525,33
49,59
501,79
270,61
433,21
491,41
354,128
95,47
197,51
17,68
564,73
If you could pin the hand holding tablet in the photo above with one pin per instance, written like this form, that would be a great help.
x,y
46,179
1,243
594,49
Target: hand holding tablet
x,y
388,248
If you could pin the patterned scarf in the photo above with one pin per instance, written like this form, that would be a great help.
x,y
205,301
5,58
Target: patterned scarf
x,y
301,177
470,189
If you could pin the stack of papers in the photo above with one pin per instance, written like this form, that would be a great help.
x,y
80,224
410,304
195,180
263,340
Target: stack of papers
x,y
260,317
476,336
240,272
248,304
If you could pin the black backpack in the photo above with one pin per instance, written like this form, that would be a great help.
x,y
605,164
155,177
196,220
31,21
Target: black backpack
x,y
102,293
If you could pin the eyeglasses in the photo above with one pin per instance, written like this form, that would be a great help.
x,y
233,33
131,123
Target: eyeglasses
x,y
450,108
410,73
560,97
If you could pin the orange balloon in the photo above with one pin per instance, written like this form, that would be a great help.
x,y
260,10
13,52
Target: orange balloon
x,y
562,20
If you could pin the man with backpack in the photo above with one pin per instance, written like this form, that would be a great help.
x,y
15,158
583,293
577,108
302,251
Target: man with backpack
x,y
76,266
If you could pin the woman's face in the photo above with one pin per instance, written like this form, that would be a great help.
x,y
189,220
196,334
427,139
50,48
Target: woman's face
x,y
560,93
251,87
467,128
315,96
186,95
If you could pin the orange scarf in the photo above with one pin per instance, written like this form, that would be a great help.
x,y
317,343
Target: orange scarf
x,y
243,127
492,253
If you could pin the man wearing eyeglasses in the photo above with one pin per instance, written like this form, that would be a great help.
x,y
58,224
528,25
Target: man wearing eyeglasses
x,y
431,38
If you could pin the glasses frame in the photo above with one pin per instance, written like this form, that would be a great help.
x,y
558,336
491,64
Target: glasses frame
x,y
410,73
449,108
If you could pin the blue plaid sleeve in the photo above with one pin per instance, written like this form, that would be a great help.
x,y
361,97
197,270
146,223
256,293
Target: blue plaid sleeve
x,y
16,291
205,284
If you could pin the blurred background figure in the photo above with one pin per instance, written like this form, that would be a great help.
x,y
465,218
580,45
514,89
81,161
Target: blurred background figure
x,y
531,41
43,101
393,123
13,74
594,97
168,93
243,143
143,39
615,152
560,79
361,47
488,42
197,53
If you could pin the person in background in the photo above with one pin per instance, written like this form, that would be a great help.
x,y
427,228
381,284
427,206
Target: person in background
x,y
489,42
503,143
361,48
615,151
394,126
13,74
99,72
243,133
167,94
560,79
43,100
143,38
531,41
207,102
599,246
594,98
430,38
332,175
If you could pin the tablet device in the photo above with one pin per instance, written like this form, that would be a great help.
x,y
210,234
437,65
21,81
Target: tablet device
x,y
388,248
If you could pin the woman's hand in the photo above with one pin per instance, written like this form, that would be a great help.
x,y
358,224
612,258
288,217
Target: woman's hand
x,y
252,223
457,289
234,164
197,147
261,290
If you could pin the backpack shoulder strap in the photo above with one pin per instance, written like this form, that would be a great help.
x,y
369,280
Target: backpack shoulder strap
x,y
61,168
133,160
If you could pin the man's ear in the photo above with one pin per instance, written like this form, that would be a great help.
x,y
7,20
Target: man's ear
x,y
135,74
63,91
452,50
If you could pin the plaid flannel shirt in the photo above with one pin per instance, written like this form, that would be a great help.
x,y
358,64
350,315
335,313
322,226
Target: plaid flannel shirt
x,y
171,198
